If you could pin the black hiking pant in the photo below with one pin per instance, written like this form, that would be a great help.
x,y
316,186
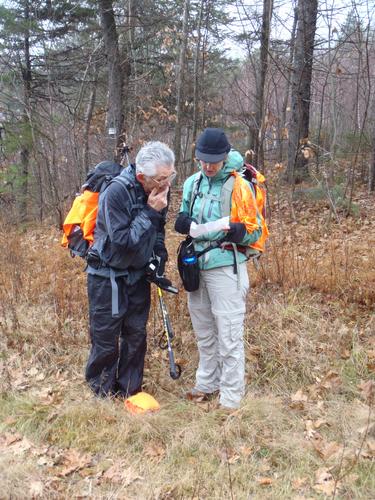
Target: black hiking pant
x,y
118,345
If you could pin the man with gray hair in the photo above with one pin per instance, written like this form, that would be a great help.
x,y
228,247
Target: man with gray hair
x,y
129,233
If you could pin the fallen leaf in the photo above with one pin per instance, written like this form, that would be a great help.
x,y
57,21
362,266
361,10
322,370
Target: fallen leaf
x,y
52,416
325,482
299,396
8,439
325,449
331,380
233,459
245,451
322,476
319,423
369,449
36,489
298,400
264,481
264,466
327,488
367,390
309,429
56,484
255,350
19,447
9,421
119,473
367,429
74,461
45,460
344,354
182,362
299,483
299,497
155,451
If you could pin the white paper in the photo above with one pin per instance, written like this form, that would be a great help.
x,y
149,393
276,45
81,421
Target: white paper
x,y
197,230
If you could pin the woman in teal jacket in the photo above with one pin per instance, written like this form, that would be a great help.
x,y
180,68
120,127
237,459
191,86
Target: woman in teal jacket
x,y
218,307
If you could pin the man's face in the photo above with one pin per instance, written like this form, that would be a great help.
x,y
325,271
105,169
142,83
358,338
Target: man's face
x,y
211,169
161,181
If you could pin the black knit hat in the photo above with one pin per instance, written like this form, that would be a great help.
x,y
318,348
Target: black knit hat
x,y
212,145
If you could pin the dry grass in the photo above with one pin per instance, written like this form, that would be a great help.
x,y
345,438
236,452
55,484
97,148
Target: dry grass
x,y
309,344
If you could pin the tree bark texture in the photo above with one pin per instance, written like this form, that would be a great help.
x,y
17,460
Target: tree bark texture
x,y
86,128
287,90
180,84
196,72
372,167
301,89
264,50
115,116
22,195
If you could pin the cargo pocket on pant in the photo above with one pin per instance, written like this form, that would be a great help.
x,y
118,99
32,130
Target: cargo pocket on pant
x,y
236,329
232,345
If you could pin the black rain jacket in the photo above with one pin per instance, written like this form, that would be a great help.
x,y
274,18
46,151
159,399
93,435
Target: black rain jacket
x,y
127,229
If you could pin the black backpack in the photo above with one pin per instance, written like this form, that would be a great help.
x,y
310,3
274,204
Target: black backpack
x,y
79,224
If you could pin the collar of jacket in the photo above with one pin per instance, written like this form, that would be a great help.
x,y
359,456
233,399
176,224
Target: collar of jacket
x,y
234,162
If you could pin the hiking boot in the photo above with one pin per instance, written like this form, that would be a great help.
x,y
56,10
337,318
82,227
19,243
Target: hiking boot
x,y
199,396
227,411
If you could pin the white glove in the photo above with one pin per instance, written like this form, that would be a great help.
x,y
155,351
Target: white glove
x,y
197,230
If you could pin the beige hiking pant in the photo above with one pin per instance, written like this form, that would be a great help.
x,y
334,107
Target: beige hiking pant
x,y
217,311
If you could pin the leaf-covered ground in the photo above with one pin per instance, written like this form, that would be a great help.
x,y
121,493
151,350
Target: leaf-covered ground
x,y
306,427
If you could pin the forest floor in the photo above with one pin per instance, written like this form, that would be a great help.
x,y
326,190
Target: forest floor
x,y
305,429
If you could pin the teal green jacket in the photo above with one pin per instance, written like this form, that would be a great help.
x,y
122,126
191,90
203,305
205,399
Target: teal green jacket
x,y
207,208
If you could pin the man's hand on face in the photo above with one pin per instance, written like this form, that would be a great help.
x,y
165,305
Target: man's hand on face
x,y
158,199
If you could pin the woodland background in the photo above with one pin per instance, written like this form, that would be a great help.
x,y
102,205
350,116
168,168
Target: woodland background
x,y
293,84
79,79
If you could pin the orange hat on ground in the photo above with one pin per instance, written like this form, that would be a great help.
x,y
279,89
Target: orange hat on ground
x,y
141,403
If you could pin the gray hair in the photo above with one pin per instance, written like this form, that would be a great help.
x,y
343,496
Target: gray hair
x,y
152,155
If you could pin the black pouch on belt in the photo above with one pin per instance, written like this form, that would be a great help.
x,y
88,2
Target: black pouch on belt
x,y
188,266
187,262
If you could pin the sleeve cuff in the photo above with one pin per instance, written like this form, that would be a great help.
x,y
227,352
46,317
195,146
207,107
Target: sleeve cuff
x,y
154,216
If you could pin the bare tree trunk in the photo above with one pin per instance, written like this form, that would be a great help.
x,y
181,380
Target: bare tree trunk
x,y
26,120
115,116
180,83
86,130
363,47
196,74
301,89
282,133
264,49
372,167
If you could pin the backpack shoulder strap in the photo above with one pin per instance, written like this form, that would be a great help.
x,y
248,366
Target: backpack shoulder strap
x,y
226,196
127,182
195,191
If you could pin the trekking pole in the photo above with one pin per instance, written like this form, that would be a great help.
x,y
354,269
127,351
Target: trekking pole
x,y
125,153
174,369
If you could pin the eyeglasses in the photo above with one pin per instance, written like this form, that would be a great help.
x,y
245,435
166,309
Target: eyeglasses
x,y
162,182
212,164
